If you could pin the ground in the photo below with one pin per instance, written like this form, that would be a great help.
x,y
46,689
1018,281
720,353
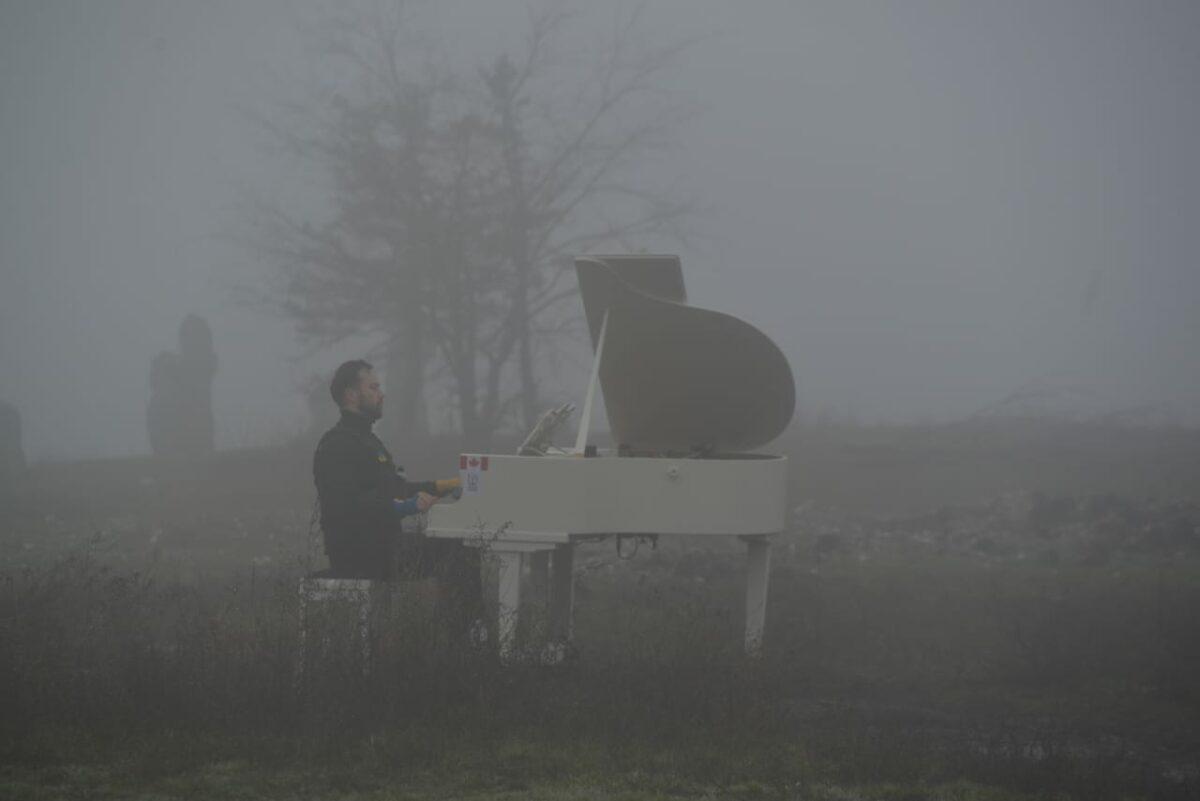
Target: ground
x,y
981,611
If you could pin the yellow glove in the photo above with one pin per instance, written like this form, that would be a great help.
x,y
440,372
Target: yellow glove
x,y
447,485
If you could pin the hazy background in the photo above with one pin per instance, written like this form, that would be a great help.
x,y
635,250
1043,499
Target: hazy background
x,y
928,205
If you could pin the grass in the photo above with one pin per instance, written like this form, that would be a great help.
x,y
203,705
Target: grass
x,y
481,768
149,648
239,779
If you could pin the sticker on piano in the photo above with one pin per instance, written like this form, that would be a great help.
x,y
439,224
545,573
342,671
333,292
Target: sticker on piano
x,y
470,471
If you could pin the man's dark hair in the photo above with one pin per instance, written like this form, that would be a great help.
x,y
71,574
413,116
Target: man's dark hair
x,y
346,376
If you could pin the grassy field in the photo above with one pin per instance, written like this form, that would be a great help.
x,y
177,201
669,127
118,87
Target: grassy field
x,y
969,612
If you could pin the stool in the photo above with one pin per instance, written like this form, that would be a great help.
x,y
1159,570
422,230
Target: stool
x,y
354,593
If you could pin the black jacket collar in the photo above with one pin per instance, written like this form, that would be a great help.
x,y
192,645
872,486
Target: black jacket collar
x,y
356,422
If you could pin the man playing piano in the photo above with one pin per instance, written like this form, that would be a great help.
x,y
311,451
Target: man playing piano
x,y
361,492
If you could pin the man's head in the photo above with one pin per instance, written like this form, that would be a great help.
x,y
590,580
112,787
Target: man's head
x,y
356,387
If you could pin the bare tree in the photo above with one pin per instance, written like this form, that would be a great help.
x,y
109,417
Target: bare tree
x,y
456,196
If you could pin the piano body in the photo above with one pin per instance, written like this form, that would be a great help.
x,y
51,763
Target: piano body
x,y
689,393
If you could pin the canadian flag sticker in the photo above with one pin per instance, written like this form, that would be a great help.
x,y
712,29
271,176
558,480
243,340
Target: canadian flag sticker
x,y
470,470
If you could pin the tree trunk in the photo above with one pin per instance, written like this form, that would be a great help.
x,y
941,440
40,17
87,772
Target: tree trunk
x,y
405,420
476,433
519,225
529,399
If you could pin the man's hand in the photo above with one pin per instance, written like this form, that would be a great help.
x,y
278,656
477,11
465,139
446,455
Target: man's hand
x,y
425,500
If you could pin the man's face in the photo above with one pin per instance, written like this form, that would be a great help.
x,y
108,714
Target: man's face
x,y
367,397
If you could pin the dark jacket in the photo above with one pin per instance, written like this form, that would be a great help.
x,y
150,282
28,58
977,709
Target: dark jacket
x,y
357,483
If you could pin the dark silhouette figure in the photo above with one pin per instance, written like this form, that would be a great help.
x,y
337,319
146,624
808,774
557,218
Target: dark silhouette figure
x,y
12,454
179,417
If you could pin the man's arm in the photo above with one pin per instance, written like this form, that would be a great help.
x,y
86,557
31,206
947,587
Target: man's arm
x,y
337,465
335,470
438,488
414,505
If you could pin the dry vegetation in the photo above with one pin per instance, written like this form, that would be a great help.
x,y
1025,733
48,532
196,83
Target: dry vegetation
x,y
985,611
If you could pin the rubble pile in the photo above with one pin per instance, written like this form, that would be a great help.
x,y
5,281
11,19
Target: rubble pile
x,y
1093,529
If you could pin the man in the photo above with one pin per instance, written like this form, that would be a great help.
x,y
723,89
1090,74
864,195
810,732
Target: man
x,y
361,493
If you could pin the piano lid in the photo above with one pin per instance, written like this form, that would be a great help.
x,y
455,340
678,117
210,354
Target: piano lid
x,y
676,377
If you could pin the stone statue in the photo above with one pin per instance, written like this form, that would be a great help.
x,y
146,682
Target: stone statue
x,y
179,416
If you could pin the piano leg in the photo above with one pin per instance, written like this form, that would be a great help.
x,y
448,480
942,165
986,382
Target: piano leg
x,y
539,580
509,581
758,566
562,595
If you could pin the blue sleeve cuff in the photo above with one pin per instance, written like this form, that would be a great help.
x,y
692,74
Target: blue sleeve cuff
x,y
406,507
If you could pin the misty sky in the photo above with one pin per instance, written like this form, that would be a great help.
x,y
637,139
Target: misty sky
x,y
926,204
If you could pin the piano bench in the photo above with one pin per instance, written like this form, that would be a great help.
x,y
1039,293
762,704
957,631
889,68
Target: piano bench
x,y
352,595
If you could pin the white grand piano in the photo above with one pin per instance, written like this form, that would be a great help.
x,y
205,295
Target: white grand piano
x,y
689,394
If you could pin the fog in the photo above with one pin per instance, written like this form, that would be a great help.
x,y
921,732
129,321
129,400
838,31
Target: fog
x,y
927,205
